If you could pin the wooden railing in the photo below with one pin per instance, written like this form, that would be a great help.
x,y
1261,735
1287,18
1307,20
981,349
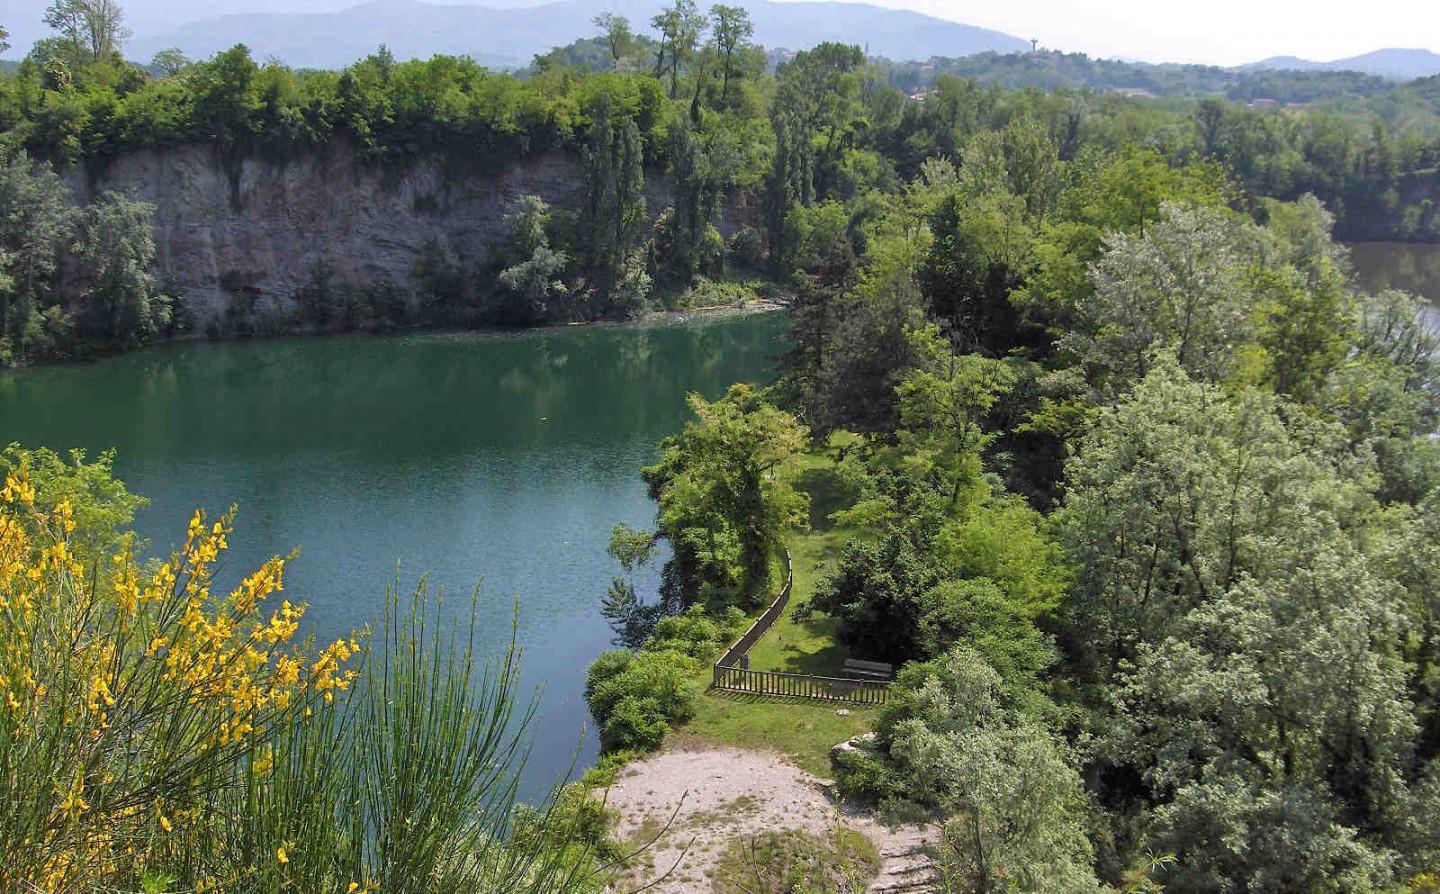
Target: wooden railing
x,y
738,655
778,683
732,671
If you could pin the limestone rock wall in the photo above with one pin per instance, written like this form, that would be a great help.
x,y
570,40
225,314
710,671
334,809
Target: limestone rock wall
x,y
260,237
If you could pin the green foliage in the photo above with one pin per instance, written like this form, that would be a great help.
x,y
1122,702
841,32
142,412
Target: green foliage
x,y
634,696
877,593
533,279
953,740
1183,286
118,248
726,495
35,222
614,209
103,508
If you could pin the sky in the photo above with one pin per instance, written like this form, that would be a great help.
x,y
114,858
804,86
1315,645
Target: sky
x,y
1220,32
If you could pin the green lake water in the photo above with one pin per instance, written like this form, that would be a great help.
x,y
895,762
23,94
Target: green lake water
x,y
1411,267
507,458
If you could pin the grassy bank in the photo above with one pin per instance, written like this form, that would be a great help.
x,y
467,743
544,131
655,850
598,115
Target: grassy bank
x,y
803,730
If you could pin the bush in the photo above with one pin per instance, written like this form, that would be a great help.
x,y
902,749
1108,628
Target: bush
x,y
747,247
635,696
876,595
639,694
636,723
696,633
159,732
867,775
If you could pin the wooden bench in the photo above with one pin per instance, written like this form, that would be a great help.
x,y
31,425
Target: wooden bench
x,y
868,670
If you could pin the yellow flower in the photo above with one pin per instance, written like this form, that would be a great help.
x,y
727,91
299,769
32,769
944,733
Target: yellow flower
x,y
281,855
74,804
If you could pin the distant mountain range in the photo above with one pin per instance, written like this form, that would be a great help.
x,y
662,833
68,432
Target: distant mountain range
x,y
510,36
1401,64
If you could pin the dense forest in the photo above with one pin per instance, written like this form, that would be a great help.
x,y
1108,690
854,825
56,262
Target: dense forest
x,y
824,140
1136,488
1150,529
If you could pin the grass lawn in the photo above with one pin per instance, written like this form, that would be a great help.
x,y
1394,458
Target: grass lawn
x,y
804,730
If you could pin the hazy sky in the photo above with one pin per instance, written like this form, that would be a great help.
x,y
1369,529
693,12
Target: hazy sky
x,y
1222,32
1214,31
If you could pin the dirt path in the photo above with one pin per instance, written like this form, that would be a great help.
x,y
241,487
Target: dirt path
x,y
713,796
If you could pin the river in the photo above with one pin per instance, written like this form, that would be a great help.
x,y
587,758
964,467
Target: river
x,y
507,458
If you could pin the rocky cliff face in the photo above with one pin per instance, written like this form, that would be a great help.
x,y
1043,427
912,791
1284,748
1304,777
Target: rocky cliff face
x,y
260,237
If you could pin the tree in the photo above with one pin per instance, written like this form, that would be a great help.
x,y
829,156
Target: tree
x,y
117,244
93,29
686,228
4,39
532,279
614,210
816,93
1177,493
1275,732
1185,284
618,36
35,222
680,27
731,30
726,496
876,593
1304,307
943,405
170,61
970,750
1238,593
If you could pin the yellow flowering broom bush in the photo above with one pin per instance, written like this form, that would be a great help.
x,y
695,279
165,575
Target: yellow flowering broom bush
x,y
128,694
157,734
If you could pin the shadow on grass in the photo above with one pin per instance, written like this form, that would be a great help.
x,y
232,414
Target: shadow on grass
x,y
756,698
828,492
820,655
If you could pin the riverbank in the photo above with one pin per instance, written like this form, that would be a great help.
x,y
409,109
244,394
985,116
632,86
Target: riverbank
x,y
654,318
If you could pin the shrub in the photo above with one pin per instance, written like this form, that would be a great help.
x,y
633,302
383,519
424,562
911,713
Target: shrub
x,y
156,733
696,633
640,693
635,696
636,723
747,247
876,594
866,775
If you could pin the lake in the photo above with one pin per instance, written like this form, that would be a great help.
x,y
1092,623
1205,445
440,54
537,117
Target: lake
x,y
507,458
1413,267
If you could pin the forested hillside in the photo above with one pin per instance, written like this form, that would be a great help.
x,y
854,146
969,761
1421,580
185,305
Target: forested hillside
x,y
1131,483
813,150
